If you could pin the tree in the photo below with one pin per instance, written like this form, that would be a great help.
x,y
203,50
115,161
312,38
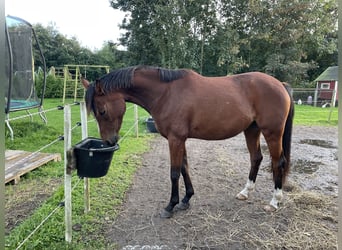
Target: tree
x,y
138,38
282,34
321,45
59,50
289,39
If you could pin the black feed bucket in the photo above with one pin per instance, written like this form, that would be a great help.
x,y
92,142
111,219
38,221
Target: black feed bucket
x,y
151,126
93,157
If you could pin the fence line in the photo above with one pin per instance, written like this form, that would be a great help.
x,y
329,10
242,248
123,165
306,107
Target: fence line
x,y
38,113
315,97
63,202
39,226
67,172
60,138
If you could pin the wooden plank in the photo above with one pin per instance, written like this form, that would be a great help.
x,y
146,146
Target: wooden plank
x,y
18,163
12,154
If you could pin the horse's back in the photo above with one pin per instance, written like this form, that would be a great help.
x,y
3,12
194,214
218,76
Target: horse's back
x,y
250,88
221,107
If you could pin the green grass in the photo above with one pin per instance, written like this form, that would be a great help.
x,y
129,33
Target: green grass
x,y
107,193
309,115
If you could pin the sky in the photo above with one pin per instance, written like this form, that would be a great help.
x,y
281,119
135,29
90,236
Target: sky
x,y
92,22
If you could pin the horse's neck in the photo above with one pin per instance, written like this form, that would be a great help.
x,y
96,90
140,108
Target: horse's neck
x,y
145,96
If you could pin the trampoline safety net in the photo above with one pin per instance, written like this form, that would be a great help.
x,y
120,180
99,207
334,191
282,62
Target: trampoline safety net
x,y
20,89
21,92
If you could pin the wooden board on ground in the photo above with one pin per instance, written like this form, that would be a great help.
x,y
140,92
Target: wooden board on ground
x,y
18,163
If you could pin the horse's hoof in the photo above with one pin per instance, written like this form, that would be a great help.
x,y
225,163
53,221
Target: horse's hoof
x,y
183,206
269,208
241,197
165,214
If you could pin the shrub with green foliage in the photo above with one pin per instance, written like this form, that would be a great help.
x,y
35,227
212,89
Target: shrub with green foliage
x,y
54,85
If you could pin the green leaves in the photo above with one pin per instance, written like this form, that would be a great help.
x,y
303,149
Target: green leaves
x,y
285,38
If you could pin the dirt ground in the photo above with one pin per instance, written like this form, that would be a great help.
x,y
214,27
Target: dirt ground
x,y
307,218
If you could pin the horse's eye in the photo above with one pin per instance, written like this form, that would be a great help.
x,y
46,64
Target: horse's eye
x,y
102,112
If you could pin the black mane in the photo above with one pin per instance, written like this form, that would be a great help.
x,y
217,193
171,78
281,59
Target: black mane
x,y
89,97
122,78
169,75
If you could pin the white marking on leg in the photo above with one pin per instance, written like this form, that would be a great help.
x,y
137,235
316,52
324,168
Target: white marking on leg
x,y
243,195
277,197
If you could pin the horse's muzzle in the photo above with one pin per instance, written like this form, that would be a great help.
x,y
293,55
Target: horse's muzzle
x,y
113,141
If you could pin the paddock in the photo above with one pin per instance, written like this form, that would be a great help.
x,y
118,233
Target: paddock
x,y
216,219
221,221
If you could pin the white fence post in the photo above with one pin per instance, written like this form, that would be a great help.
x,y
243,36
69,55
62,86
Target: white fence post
x,y
67,175
136,120
84,125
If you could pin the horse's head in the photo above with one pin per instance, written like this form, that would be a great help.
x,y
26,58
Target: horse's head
x,y
108,108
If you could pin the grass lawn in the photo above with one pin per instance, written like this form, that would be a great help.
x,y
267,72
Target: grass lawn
x,y
309,115
107,193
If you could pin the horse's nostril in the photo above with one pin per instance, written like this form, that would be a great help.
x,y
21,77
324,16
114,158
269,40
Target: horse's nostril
x,y
110,143
113,140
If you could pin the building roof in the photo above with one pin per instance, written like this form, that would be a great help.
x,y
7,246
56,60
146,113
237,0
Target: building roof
x,y
330,74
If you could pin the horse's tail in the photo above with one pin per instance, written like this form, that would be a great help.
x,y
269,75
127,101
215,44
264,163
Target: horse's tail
x,y
288,132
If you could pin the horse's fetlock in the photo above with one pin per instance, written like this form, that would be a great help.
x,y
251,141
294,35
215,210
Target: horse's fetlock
x,y
190,192
174,202
278,194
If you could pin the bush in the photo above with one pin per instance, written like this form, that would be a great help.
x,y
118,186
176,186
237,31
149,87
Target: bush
x,y
54,85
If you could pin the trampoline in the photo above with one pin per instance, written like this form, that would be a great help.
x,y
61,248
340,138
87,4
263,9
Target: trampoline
x,y
23,52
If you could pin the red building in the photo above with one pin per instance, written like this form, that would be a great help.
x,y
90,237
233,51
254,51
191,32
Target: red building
x,y
326,87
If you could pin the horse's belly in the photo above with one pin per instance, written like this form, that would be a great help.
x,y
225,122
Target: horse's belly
x,y
219,129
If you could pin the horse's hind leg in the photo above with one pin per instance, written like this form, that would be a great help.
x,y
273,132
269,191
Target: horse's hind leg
x,y
274,142
252,134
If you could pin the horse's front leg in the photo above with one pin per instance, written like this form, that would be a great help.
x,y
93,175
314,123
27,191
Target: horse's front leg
x,y
189,190
177,151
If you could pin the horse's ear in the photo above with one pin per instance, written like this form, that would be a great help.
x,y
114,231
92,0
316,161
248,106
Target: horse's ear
x,y
99,88
84,82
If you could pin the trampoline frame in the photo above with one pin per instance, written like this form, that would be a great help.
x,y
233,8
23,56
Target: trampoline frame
x,y
33,105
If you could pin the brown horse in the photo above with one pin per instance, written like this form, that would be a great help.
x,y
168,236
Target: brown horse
x,y
185,105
